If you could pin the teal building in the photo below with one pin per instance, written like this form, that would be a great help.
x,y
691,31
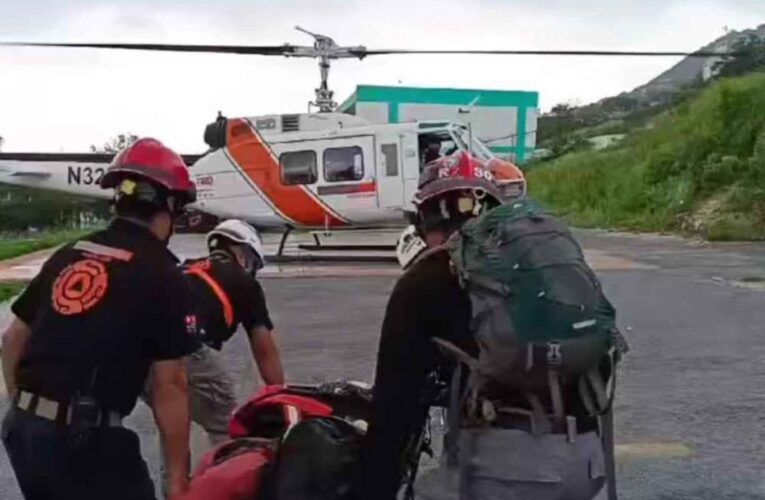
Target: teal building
x,y
506,120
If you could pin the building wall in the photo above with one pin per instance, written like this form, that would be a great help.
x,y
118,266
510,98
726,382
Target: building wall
x,y
375,112
532,122
507,120
498,126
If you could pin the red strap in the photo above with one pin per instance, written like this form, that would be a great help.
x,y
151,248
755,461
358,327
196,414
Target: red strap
x,y
228,309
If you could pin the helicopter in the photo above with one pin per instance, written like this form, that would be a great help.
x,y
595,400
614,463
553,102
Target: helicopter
x,y
323,170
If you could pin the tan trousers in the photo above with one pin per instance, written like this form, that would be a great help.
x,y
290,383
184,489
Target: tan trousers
x,y
211,393
513,464
211,396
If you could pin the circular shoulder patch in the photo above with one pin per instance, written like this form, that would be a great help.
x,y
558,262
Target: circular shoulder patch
x,y
80,286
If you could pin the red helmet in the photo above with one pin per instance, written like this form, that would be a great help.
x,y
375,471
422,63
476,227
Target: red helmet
x,y
457,172
153,161
510,179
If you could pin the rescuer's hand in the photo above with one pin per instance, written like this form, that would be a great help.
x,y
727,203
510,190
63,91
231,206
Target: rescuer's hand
x,y
14,343
178,489
266,355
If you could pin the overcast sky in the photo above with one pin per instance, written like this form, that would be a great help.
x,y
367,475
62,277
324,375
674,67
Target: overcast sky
x,y
65,100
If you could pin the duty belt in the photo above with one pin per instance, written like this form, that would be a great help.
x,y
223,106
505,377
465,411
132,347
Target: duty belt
x,y
60,412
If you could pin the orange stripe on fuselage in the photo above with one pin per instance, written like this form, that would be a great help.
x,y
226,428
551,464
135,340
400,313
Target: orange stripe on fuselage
x,y
253,156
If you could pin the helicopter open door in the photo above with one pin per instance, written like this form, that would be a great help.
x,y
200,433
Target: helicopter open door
x,y
390,185
390,171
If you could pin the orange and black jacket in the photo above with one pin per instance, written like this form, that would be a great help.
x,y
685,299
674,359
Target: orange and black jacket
x,y
101,310
225,297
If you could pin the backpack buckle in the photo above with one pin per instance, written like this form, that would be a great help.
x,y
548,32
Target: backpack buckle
x,y
488,411
554,354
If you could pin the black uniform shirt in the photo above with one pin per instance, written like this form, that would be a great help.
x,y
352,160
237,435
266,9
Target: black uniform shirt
x,y
426,302
101,310
225,296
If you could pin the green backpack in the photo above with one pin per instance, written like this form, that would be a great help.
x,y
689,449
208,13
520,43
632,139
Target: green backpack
x,y
540,317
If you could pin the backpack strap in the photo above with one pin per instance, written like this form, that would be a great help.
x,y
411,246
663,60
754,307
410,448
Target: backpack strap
x,y
453,419
599,388
592,384
607,424
455,396
456,353
477,280
556,395
584,396
540,421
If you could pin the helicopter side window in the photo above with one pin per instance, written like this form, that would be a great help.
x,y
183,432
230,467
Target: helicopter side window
x,y
298,167
390,152
343,164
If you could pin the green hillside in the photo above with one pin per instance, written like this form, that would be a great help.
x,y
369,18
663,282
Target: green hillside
x,y
699,167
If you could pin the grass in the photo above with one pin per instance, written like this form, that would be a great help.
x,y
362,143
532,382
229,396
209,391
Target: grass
x,y
735,227
709,147
14,247
9,289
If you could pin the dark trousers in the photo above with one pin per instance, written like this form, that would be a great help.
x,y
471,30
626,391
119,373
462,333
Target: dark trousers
x,y
50,464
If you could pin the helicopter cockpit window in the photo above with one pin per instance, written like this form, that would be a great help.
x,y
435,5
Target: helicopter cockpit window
x,y
344,164
434,145
477,148
298,167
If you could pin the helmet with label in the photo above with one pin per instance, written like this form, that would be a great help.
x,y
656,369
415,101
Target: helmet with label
x,y
452,190
460,171
151,172
509,178
238,232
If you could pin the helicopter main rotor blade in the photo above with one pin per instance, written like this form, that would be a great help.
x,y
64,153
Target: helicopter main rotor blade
x,y
357,51
267,50
364,53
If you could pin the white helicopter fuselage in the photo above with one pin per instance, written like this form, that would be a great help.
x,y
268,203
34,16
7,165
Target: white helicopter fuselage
x,y
361,176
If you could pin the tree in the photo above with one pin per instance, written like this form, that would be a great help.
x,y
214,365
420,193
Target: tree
x,y
621,103
564,109
23,208
115,144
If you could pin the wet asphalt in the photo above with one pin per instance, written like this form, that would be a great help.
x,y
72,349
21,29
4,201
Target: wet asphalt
x,y
690,410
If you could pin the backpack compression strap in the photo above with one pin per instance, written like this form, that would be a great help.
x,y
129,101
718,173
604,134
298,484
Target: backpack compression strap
x,y
607,423
455,352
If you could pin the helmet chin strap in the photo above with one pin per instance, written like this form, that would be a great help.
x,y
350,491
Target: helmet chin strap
x,y
221,254
250,266
477,207
444,209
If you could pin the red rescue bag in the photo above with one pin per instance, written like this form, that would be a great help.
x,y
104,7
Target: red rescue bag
x,y
273,410
237,469
232,471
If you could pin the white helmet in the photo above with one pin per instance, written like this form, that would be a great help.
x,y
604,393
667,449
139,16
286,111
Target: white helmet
x,y
409,246
240,233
